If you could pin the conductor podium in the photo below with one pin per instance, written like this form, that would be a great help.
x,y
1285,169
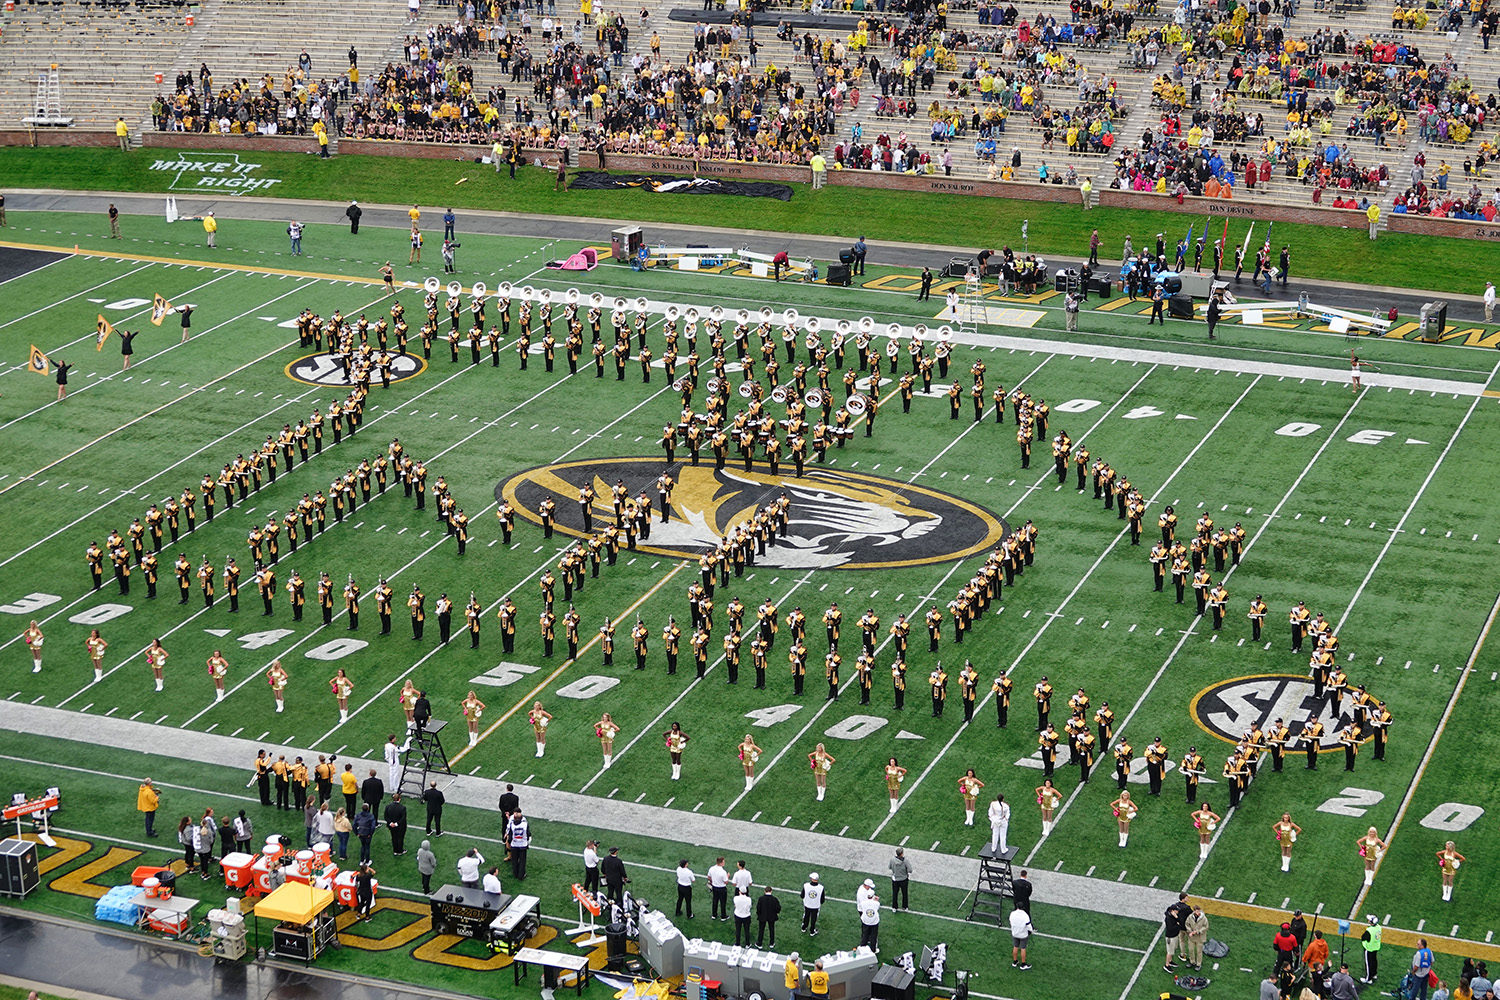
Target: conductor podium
x,y
423,756
994,884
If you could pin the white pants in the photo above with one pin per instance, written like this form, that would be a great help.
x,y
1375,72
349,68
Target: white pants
x,y
997,836
395,776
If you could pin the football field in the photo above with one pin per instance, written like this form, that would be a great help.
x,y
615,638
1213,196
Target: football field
x,y
1373,507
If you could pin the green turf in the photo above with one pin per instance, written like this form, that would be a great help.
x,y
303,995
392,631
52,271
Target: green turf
x,y
1335,501
882,216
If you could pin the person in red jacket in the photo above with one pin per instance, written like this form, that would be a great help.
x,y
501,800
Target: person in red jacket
x,y
1285,946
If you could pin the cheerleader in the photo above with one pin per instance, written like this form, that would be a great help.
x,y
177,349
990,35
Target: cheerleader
x,y
342,688
1286,835
822,762
1124,810
408,699
749,754
1048,797
96,647
156,656
33,638
968,787
606,730
1448,862
1371,847
277,678
894,775
539,717
676,741
218,669
1205,821
473,710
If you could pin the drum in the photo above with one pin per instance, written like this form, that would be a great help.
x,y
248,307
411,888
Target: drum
x,y
778,394
747,390
856,405
815,398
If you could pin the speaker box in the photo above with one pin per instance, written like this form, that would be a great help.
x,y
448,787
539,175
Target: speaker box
x,y
892,982
1180,307
838,274
19,872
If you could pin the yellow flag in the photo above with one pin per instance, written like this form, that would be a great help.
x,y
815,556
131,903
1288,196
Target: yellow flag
x,y
159,309
37,362
102,330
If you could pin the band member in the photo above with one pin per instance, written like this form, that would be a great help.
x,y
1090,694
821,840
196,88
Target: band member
x,y
1311,738
1286,835
895,774
1257,617
606,730
1380,719
156,657
96,646
472,615
1156,762
1192,769
218,669
444,609
1349,737
968,789
676,741
822,762
277,679
1048,799
342,688
473,710
1124,811
417,603
898,683
938,682
1448,863
1043,694
1001,689
1205,821
1371,849
33,637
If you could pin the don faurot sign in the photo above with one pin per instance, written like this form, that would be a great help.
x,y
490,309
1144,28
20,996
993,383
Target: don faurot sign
x,y
224,172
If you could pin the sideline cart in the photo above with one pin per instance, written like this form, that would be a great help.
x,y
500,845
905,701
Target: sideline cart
x,y
304,927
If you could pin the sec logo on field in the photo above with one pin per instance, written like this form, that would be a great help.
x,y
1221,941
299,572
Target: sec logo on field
x,y
1230,708
838,519
323,369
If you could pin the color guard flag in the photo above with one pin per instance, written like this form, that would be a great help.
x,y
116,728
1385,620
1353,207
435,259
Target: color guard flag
x,y
102,330
37,362
159,309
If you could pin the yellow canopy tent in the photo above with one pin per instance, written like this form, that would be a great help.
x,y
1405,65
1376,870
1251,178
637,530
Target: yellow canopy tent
x,y
292,903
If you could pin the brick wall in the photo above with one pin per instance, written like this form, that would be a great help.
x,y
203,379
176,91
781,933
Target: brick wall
x,y
1461,228
56,137
1310,214
232,143
939,184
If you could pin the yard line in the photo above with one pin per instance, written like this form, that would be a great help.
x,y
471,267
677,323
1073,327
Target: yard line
x,y
949,745
95,288
158,354
1192,626
1401,524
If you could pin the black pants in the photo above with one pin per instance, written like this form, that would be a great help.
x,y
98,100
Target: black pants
x,y
398,839
435,821
742,930
591,879
762,926
1372,964
869,936
685,898
719,901
809,919
518,862
899,900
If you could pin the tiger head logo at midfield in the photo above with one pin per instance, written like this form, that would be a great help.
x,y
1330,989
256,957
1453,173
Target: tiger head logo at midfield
x,y
837,519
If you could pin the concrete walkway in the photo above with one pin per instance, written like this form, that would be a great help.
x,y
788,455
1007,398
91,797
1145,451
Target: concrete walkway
x,y
816,850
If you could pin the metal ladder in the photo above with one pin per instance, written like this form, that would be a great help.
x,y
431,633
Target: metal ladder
x,y
49,99
971,311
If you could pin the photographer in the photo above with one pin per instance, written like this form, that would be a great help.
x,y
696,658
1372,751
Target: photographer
x,y
449,248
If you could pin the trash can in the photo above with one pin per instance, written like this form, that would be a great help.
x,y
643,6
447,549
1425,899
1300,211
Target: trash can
x,y
614,946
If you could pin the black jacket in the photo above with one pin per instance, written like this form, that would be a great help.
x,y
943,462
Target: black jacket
x,y
395,815
421,711
353,212
768,908
509,802
434,800
613,870
1020,891
372,791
